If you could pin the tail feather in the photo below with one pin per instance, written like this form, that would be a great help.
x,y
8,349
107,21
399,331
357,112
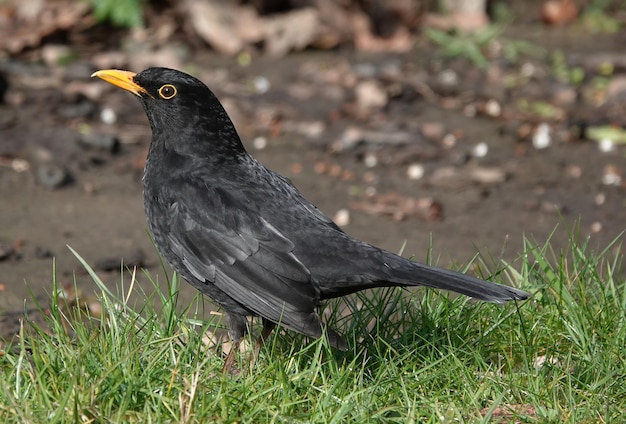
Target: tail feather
x,y
398,271
423,275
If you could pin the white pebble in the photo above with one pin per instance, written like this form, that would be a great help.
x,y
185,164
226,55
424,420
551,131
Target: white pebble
x,y
342,217
596,227
606,145
108,116
370,160
415,171
261,85
611,179
600,199
259,143
480,150
20,165
542,137
493,108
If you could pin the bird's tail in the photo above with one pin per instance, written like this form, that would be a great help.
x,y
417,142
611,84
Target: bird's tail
x,y
394,270
417,274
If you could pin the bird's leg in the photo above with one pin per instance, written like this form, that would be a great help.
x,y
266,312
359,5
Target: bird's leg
x,y
268,326
238,325
230,358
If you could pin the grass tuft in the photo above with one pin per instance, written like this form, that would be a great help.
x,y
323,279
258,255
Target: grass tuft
x,y
415,356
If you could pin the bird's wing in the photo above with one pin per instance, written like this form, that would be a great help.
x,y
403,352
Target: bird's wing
x,y
221,241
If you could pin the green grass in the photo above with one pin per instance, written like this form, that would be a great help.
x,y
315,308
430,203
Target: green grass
x,y
418,356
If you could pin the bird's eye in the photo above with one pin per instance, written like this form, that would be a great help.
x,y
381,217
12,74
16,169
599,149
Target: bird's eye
x,y
167,91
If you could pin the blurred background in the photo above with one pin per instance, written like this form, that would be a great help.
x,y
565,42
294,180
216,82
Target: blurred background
x,y
443,128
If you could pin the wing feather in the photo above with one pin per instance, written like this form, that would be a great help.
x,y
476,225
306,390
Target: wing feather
x,y
243,255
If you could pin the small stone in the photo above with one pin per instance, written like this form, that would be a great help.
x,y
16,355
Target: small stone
x,y
493,108
600,199
52,176
448,78
370,160
108,116
528,70
261,85
20,165
596,227
542,137
480,150
606,145
415,171
370,95
611,176
259,143
342,217
487,175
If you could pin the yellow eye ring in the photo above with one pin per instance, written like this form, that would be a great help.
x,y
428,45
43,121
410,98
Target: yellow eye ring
x,y
167,91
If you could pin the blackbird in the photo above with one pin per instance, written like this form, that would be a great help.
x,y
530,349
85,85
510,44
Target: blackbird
x,y
243,234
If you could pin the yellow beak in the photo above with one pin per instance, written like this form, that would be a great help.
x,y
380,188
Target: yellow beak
x,y
122,79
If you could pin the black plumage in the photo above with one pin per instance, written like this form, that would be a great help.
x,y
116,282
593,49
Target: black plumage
x,y
244,235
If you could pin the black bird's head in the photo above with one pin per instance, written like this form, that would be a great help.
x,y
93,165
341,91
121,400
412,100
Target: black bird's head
x,y
184,114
